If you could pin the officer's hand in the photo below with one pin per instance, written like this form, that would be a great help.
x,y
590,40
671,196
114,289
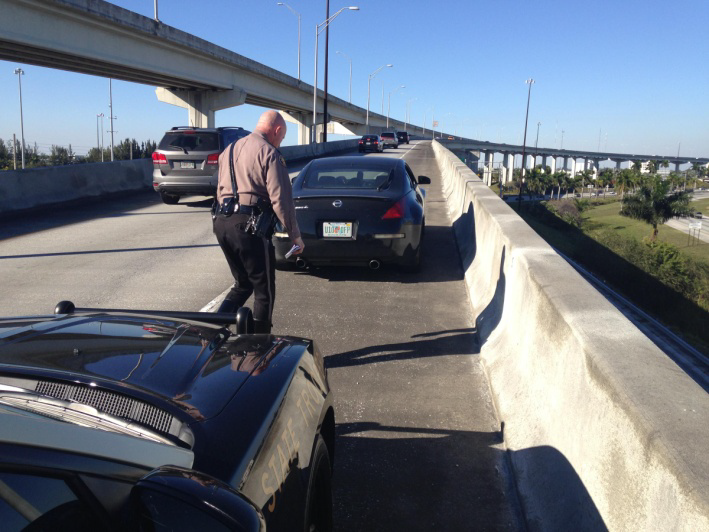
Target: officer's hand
x,y
298,242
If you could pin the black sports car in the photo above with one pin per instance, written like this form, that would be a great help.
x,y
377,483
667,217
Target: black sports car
x,y
145,420
357,210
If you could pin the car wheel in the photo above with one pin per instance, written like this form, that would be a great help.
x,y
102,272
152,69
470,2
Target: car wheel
x,y
318,507
169,199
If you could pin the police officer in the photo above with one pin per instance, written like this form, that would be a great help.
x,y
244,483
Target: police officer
x,y
260,172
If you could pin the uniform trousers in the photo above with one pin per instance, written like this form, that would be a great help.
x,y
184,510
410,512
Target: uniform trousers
x,y
252,262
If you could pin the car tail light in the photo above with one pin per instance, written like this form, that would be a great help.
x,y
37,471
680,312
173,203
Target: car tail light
x,y
376,142
395,211
361,142
213,158
159,158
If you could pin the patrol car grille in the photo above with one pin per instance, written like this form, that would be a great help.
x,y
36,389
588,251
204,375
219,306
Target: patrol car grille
x,y
113,404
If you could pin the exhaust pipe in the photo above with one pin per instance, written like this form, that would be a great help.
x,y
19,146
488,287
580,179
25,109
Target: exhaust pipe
x,y
374,264
300,263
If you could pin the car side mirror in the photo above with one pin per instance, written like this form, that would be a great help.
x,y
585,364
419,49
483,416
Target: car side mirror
x,y
423,180
172,498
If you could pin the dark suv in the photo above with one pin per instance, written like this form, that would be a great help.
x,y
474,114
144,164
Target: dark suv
x,y
403,137
187,159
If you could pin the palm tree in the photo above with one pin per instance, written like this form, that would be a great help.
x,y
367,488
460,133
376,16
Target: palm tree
x,y
624,181
654,204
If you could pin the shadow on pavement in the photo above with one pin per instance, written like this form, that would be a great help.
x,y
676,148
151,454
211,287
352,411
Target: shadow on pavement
x,y
454,342
412,478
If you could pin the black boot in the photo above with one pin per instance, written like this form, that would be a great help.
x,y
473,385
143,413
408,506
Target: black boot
x,y
228,306
262,327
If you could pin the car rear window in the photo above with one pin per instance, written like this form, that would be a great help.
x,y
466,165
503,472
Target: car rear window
x,y
190,141
348,178
369,137
388,135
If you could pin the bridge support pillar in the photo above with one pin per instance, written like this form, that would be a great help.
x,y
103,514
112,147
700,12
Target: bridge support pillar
x,y
487,172
508,164
305,124
201,105
677,164
552,164
572,168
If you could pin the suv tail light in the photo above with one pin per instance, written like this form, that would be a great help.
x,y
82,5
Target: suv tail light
x,y
159,158
395,211
361,141
213,158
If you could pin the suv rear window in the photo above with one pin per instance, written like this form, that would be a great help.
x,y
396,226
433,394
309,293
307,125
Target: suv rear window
x,y
190,141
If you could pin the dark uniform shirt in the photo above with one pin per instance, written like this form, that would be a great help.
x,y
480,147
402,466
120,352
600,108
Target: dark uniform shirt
x,y
260,171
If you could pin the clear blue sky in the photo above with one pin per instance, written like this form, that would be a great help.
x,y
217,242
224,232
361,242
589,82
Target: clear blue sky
x,y
629,75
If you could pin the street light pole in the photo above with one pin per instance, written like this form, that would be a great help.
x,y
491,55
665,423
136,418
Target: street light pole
x,y
318,30
529,82
21,73
350,60
369,84
389,102
536,141
327,48
110,108
408,115
297,15
101,146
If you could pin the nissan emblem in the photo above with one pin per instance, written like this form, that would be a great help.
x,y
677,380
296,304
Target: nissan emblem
x,y
337,203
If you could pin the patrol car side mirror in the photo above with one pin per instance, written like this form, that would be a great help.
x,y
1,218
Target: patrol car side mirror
x,y
423,180
172,498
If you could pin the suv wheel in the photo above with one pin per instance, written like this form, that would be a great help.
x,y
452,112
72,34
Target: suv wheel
x,y
169,199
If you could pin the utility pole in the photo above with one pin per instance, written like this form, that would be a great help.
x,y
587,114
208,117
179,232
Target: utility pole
x,y
14,152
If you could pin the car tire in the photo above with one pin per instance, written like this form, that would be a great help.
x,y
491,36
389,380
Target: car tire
x,y
318,503
169,199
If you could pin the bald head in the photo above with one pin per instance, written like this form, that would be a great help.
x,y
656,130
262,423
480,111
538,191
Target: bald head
x,y
273,127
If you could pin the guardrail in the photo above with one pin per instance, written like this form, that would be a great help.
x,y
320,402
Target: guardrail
x,y
603,429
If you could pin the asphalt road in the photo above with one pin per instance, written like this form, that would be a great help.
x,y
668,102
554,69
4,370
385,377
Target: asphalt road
x,y
419,445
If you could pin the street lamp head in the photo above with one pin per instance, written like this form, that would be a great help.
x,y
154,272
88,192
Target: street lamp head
x,y
19,71
390,65
353,8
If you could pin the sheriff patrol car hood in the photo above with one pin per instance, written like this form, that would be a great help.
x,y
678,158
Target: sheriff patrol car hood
x,y
194,366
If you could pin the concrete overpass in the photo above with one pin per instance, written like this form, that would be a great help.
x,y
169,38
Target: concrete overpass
x,y
475,151
98,38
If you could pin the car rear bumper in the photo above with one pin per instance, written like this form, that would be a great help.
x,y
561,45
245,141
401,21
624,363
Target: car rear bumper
x,y
360,251
205,185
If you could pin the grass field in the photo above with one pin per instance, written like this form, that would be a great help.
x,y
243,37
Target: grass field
x,y
607,215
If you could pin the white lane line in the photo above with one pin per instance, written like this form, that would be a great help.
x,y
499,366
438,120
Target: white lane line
x,y
214,303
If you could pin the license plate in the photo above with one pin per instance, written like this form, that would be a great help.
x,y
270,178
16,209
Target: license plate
x,y
337,229
187,164
368,143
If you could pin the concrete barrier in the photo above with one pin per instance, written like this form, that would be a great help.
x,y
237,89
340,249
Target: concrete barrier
x,y
35,187
27,189
603,429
